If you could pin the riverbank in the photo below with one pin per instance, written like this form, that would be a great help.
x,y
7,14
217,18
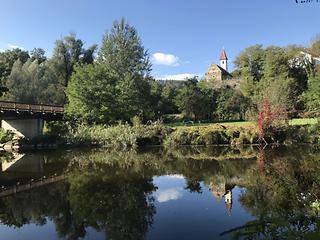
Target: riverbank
x,y
125,136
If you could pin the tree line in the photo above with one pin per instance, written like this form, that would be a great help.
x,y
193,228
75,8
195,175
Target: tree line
x,y
113,82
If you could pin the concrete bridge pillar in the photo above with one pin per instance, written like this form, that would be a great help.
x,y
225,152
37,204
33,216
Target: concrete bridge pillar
x,y
28,128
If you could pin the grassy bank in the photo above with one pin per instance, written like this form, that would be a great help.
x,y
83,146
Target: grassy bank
x,y
137,134
292,122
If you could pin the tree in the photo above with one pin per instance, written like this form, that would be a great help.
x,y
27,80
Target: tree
x,y
276,73
122,51
92,95
312,95
68,52
163,98
38,54
122,55
280,83
238,104
249,64
192,101
7,59
223,97
32,82
315,46
21,81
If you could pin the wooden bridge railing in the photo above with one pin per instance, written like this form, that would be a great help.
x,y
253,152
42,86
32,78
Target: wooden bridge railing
x,y
37,108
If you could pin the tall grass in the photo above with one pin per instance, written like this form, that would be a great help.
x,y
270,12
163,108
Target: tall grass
x,y
122,135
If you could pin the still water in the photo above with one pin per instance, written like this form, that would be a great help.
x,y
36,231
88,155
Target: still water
x,y
188,193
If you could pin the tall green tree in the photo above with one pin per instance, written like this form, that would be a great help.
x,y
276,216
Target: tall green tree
x,y
92,95
32,82
122,51
192,101
38,54
67,53
250,64
124,56
7,59
312,95
222,112
279,74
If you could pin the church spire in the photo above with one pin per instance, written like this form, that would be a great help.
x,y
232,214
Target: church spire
x,y
223,55
224,60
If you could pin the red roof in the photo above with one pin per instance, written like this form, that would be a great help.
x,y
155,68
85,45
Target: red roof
x,y
223,55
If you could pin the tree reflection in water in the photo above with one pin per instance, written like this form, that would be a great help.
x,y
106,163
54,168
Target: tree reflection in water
x,y
112,191
282,196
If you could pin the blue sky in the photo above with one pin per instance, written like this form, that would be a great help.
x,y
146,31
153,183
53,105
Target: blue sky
x,y
185,35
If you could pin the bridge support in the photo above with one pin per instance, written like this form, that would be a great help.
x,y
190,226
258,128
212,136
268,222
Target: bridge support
x,y
28,128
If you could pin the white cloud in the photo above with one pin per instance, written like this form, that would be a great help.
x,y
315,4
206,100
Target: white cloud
x,y
181,76
165,59
12,46
168,194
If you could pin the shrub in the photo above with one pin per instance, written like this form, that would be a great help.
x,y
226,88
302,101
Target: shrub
x,y
270,119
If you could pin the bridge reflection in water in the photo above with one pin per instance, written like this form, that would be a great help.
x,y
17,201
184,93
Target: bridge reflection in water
x,y
24,172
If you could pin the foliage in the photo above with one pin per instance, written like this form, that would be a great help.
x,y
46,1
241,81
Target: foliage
x,y
5,136
7,59
122,52
67,53
223,102
312,95
238,104
194,102
117,87
212,135
92,95
32,82
163,98
269,120
279,74
283,197
38,54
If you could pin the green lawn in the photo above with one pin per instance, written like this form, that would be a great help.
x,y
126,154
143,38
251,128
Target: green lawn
x,y
293,122
304,121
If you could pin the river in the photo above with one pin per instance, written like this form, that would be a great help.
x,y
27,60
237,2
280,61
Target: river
x,y
156,193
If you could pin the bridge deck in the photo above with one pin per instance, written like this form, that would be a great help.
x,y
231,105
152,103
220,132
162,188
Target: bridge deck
x,y
31,108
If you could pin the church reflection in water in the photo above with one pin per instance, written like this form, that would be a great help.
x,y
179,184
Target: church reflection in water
x,y
223,191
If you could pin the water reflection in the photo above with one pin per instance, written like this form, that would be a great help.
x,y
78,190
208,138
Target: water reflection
x,y
204,193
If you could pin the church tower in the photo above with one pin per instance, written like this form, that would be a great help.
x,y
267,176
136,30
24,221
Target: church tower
x,y
224,60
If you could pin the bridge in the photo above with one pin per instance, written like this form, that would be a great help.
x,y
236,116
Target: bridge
x,y
27,120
